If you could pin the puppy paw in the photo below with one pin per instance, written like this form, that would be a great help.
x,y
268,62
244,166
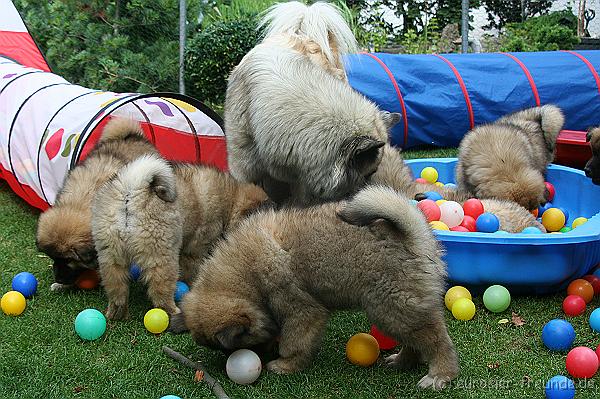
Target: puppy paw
x,y
437,383
402,360
281,366
116,312
177,324
58,287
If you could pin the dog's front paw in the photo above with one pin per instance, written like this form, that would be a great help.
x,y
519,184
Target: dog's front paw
x,y
177,324
117,312
437,383
58,287
282,366
403,360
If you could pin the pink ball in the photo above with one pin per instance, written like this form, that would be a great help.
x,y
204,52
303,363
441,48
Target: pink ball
x,y
421,180
429,209
469,223
473,207
573,305
598,353
459,229
451,213
551,190
582,362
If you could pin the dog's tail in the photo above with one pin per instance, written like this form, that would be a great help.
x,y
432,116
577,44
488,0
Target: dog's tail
x,y
383,203
120,128
552,121
149,172
320,22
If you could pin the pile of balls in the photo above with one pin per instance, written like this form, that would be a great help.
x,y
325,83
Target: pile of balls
x,y
459,301
24,285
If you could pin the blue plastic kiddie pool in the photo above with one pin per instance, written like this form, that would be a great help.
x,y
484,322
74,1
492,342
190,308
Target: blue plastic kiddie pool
x,y
526,263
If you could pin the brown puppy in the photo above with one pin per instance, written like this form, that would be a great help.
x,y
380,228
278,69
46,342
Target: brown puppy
x,y
592,167
507,159
166,219
282,272
64,232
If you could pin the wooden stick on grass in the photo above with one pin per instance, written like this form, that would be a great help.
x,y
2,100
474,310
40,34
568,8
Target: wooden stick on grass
x,y
210,381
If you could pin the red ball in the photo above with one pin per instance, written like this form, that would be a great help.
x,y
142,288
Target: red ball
x,y
469,223
582,362
582,288
598,352
473,207
551,190
594,281
421,180
88,280
385,342
460,228
430,209
573,305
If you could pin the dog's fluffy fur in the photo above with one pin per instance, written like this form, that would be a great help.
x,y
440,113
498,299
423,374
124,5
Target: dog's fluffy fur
x,y
282,272
64,231
507,159
592,167
293,123
166,219
393,172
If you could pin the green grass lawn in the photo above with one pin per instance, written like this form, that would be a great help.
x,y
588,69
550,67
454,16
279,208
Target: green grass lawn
x,y
41,356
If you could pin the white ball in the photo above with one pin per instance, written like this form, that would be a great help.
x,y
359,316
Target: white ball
x,y
243,366
451,213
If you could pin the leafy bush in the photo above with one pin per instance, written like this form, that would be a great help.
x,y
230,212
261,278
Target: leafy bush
x,y
555,31
212,54
233,10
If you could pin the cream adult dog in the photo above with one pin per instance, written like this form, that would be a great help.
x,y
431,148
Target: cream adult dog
x,y
293,123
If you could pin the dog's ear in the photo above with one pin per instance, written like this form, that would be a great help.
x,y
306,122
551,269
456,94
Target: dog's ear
x,y
390,118
230,336
249,199
364,151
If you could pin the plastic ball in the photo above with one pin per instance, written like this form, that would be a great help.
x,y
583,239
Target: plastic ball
x,y
531,230
421,180
433,195
573,305
594,281
545,207
440,202
565,212
578,222
598,352
487,223
558,335
90,324
13,303
439,184
565,229
430,174
496,298
463,309
156,320
553,219
473,207
582,288
451,213
135,271
469,223
180,290
560,387
429,209
437,225
170,397
551,190
243,366
459,229
450,185
582,362
595,320
454,293
25,283
414,202
88,280
385,343
362,349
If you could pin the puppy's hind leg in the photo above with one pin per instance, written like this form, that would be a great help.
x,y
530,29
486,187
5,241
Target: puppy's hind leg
x,y
160,274
115,279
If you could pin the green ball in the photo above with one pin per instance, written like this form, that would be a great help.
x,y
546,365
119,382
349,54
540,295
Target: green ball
x,y
565,229
496,298
90,324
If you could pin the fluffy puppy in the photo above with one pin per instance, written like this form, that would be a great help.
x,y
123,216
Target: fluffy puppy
x,y
507,159
293,123
64,232
282,272
166,219
592,167
393,172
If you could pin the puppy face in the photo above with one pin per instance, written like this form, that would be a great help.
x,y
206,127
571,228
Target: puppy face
x,y
64,234
525,187
592,168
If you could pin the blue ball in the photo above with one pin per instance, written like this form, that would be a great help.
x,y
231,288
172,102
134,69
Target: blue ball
x,y
558,335
501,232
433,195
170,397
560,387
531,230
25,283
487,223
450,185
414,202
135,271
595,320
180,290
566,214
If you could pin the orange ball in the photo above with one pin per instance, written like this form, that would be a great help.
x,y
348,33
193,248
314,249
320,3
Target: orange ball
x,y
362,349
581,288
88,280
535,212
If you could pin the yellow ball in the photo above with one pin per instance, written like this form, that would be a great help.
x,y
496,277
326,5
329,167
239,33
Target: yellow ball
x,y
463,309
156,320
578,222
553,219
440,202
439,184
13,303
437,225
455,293
362,349
430,174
